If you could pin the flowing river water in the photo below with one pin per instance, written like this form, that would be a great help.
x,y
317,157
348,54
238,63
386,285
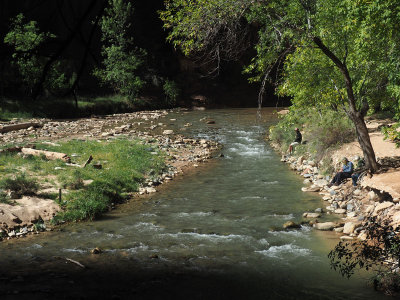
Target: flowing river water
x,y
215,233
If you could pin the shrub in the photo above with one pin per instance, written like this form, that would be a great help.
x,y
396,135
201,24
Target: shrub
x,y
323,130
20,184
171,92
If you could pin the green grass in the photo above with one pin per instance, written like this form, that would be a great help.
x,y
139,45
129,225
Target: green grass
x,y
20,184
124,166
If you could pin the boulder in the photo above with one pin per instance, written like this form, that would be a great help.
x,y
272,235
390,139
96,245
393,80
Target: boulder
x,y
340,211
382,206
357,192
327,226
290,224
349,227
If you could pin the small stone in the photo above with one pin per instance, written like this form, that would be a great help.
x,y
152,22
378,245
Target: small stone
x,y
346,238
357,192
150,190
311,215
97,166
340,211
318,210
351,214
339,229
327,226
372,195
168,132
96,251
210,122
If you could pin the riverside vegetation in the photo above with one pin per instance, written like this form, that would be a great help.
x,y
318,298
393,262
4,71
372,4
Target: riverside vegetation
x,y
370,222
129,158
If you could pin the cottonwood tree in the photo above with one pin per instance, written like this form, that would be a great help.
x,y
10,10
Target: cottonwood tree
x,y
121,59
330,56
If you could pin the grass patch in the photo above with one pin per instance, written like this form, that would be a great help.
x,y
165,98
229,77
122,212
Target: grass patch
x,y
125,164
21,185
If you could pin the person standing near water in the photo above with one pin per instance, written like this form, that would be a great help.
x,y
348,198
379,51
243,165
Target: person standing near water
x,y
297,140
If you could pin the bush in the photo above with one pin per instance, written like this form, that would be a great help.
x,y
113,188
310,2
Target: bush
x,y
323,130
380,252
171,92
20,184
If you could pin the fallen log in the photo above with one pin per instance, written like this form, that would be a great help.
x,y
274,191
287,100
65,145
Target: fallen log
x,y
20,126
48,154
10,150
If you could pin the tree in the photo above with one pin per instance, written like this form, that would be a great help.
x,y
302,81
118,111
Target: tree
x,y
328,43
121,58
26,40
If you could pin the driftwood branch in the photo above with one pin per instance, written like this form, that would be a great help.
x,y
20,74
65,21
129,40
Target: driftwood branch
x,y
20,126
48,154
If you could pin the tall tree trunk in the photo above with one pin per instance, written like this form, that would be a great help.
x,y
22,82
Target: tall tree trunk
x,y
364,140
356,116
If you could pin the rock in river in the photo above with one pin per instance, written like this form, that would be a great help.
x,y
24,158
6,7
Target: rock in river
x,y
290,224
325,226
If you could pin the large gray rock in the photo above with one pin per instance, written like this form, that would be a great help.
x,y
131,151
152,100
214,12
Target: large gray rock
x,y
327,226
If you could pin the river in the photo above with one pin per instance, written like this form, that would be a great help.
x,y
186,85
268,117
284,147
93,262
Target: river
x,y
214,233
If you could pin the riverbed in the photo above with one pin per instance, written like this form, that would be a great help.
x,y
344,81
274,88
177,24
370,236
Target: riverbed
x,y
215,233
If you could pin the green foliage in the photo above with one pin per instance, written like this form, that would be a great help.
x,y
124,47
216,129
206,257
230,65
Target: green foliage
x,y
339,54
200,25
171,91
121,59
392,133
125,165
26,40
4,197
323,129
20,184
380,252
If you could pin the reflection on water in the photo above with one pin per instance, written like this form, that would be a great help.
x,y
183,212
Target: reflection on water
x,y
222,222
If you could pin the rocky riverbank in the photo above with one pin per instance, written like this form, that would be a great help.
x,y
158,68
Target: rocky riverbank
x,y
375,195
21,218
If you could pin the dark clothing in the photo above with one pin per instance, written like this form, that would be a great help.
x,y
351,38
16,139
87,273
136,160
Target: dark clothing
x,y
340,176
360,165
298,137
354,178
347,170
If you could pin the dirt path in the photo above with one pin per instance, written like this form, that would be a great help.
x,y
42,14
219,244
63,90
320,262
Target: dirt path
x,y
386,152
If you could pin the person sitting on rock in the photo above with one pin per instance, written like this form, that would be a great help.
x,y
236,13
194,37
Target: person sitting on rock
x,y
360,167
346,172
296,141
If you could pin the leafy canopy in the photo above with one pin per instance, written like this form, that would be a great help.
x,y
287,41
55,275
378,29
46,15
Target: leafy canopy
x,y
27,40
121,59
